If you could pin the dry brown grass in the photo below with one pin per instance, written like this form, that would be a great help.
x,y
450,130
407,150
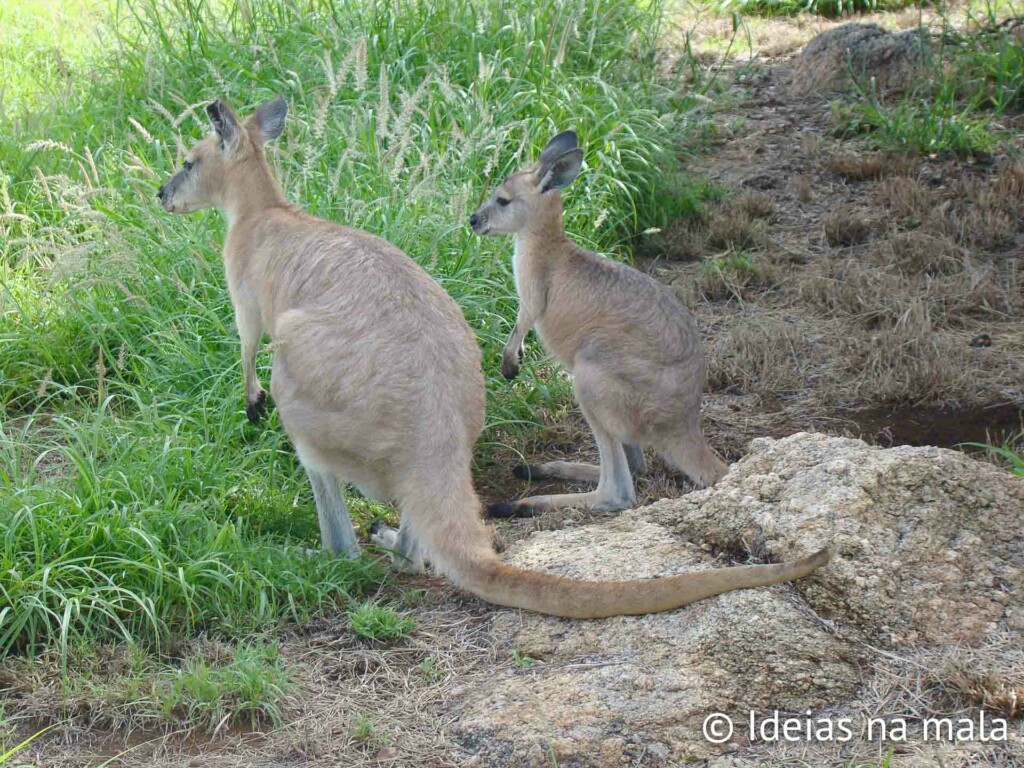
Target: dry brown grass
x,y
914,685
685,240
919,253
810,143
854,166
762,357
757,205
802,188
906,199
846,227
841,287
987,213
735,228
906,361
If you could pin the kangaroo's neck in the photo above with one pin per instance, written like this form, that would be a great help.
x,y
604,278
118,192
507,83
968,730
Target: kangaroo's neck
x,y
252,191
544,238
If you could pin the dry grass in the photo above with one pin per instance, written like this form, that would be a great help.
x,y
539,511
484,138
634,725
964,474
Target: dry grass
x,y
756,205
915,685
847,227
987,213
758,357
846,287
352,704
810,143
735,228
685,240
906,199
856,166
802,189
919,253
906,361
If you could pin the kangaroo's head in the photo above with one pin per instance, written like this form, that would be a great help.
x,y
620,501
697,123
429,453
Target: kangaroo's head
x,y
223,161
519,198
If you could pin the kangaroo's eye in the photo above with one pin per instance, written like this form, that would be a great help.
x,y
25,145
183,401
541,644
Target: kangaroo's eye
x,y
502,201
187,165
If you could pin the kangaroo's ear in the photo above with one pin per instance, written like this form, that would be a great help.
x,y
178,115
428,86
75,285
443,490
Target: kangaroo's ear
x,y
269,118
562,143
560,171
225,123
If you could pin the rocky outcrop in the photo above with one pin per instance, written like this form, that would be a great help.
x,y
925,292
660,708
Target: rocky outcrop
x,y
929,550
864,53
929,542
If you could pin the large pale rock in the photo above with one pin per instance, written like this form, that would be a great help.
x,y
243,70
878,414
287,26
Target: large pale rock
x,y
929,549
929,543
605,692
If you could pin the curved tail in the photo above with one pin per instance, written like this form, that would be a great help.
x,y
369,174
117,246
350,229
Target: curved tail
x,y
573,598
459,545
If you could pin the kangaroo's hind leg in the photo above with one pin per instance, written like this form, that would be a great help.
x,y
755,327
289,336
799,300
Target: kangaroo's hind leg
x,y
336,531
577,472
635,457
615,485
406,551
559,470
614,488
691,455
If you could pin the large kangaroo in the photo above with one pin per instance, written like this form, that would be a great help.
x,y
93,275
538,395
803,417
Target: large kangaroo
x,y
377,380
632,347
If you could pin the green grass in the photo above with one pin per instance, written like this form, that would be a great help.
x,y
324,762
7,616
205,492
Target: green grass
x,y
208,686
136,502
379,622
1009,453
9,753
247,689
970,81
520,661
829,8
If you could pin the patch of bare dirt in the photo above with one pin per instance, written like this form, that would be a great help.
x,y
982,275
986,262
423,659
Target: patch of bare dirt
x,y
879,288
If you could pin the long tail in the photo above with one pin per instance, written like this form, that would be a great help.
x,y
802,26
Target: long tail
x,y
573,598
459,545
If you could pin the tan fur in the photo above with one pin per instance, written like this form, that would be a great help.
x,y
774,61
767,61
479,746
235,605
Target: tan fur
x,y
633,348
377,380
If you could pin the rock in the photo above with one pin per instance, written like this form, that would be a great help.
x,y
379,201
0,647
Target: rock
x,y
929,549
616,689
929,543
865,52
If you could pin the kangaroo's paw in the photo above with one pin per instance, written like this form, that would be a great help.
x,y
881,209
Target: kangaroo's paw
x,y
256,407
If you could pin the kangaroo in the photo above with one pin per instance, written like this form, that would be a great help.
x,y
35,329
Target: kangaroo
x,y
377,380
632,347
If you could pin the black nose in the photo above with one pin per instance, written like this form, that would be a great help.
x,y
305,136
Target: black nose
x,y
160,192
474,220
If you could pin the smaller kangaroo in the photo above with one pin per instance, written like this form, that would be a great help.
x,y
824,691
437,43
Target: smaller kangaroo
x,y
632,347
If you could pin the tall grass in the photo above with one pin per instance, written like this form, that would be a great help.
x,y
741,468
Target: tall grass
x,y
136,501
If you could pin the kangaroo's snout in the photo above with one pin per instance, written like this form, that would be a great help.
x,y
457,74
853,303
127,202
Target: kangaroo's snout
x,y
478,221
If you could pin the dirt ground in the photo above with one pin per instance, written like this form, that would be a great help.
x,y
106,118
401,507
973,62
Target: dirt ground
x,y
849,293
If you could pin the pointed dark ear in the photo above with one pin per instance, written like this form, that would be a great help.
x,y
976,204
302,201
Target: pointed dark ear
x,y
561,171
269,118
564,142
225,123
